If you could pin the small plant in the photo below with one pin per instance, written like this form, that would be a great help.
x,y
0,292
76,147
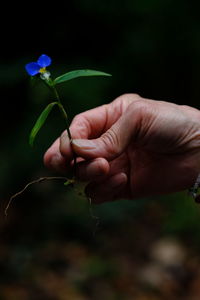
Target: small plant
x,y
39,69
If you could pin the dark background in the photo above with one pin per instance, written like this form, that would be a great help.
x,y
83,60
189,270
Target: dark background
x,y
51,246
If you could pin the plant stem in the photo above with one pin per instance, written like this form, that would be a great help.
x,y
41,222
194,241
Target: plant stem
x,y
65,116
62,110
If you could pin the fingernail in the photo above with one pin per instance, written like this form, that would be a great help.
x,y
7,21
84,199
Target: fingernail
x,y
86,144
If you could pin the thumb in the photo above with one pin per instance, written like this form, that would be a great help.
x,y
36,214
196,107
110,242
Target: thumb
x,y
111,143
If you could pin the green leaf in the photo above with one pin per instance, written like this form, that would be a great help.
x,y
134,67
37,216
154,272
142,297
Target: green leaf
x,y
78,73
40,122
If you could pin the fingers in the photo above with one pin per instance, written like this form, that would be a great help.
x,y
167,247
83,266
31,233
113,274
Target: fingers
x,y
108,190
92,123
92,170
65,147
60,154
87,125
112,143
84,125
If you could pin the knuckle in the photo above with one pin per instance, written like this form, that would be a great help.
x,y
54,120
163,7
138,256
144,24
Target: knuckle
x,y
124,101
78,119
142,107
134,96
80,126
129,97
111,141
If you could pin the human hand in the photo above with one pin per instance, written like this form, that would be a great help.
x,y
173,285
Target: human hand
x,y
131,148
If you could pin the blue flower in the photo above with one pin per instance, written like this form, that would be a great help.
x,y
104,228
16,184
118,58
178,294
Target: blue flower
x,y
34,68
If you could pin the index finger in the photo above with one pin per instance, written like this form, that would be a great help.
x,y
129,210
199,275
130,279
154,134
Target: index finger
x,y
93,123
85,125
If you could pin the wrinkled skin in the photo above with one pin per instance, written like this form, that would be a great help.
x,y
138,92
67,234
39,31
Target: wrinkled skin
x,y
131,148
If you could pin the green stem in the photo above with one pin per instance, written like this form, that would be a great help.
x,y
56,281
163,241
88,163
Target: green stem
x,y
65,116
63,112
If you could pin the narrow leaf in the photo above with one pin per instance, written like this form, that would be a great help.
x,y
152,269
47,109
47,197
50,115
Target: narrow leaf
x,y
40,122
78,73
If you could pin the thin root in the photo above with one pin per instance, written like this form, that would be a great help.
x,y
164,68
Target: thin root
x,y
27,186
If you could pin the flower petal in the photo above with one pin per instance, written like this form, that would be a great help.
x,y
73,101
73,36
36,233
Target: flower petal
x,y
44,61
32,68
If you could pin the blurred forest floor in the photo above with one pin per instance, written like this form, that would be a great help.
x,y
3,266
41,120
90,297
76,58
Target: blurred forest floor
x,y
143,250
